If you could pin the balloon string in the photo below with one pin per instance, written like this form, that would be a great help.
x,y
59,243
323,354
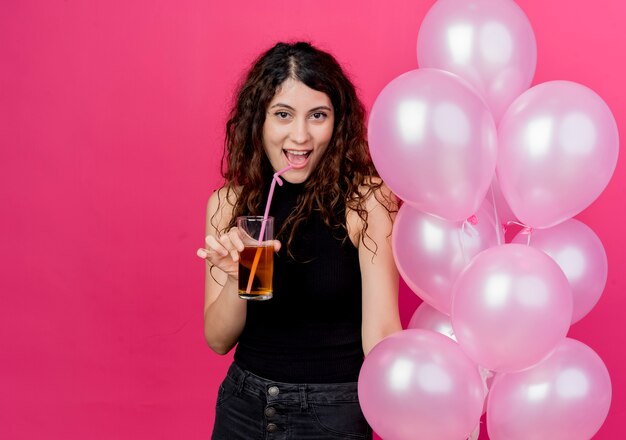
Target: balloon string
x,y
528,230
499,232
469,224
484,375
461,232
474,435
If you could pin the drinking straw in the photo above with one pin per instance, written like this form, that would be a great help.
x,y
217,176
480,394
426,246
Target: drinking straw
x,y
499,232
257,255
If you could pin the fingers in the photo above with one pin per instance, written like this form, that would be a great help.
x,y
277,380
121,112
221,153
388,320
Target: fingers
x,y
228,245
215,246
277,245
235,238
225,245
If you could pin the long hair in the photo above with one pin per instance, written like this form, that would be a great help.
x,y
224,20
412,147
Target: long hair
x,y
343,176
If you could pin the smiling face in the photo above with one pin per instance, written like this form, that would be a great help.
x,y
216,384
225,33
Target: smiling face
x,y
297,130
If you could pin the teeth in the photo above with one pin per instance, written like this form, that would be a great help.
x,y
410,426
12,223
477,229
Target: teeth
x,y
297,153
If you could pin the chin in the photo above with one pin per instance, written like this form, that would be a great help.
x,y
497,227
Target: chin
x,y
295,177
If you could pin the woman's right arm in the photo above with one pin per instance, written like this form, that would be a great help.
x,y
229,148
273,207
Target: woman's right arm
x,y
224,311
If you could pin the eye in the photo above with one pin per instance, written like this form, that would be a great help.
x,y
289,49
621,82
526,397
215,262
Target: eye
x,y
318,116
281,115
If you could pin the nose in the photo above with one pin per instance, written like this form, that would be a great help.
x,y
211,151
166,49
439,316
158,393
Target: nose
x,y
300,131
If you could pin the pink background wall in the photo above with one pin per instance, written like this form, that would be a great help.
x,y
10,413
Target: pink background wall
x,y
111,126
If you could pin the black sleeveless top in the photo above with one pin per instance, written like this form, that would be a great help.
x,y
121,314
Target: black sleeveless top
x,y
310,331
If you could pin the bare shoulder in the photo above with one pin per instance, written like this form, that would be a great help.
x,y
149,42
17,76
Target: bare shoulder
x,y
220,207
376,195
380,205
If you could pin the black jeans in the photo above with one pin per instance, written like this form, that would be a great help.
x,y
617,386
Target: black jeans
x,y
250,407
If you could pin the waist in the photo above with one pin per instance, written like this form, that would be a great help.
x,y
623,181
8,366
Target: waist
x,y
301,355
303,393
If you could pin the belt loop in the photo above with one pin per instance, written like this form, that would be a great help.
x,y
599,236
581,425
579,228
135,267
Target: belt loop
x,y
303,403
242,381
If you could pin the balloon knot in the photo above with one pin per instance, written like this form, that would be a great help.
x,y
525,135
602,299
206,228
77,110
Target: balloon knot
x,y
525,228
473,220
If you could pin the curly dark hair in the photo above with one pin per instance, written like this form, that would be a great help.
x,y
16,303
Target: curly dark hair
x,y
342,178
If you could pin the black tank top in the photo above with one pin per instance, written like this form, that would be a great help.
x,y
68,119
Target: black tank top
x,y
310,331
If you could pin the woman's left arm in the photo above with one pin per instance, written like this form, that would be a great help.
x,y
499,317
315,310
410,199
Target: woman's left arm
x,y
379,275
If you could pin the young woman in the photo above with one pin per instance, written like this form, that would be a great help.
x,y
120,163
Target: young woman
x,y
335,283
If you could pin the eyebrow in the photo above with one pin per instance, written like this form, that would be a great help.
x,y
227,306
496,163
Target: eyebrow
x,y
321,107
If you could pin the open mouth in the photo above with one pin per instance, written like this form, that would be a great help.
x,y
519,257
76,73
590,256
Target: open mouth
x,y
297,158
